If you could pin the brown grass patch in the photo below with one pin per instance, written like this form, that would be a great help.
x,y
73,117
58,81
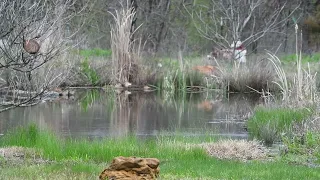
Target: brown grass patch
x,y
17,155
236,149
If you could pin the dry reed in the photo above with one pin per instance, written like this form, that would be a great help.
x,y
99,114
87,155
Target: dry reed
x,y
122,45
300,89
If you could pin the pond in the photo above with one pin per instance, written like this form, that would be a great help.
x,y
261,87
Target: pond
x,y
97,114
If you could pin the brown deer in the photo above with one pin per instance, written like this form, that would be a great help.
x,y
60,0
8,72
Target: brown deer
x,y
207,70
31,46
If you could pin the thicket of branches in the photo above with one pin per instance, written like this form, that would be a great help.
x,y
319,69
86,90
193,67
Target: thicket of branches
x,y
194,26
53,23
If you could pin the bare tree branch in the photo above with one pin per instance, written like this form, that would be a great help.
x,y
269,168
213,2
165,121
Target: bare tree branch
x,y
49,23
226,21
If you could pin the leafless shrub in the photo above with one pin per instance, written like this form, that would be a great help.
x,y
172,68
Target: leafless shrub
x,y
42,22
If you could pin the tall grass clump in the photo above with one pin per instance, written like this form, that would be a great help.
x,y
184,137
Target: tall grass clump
x,y
269,124
255,75
180,75
173,78
195,79
32,137
90,73
124,61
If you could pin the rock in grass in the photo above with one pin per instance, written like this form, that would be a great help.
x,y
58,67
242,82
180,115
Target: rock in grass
x,y
132,168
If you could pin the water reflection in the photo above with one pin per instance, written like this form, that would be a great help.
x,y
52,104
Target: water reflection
x,y
96,113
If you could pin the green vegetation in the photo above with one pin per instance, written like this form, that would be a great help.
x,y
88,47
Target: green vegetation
x,y
89,72
84,159
314,58
174,169
302,148
269,124
88,99
100,151
176,75
95,53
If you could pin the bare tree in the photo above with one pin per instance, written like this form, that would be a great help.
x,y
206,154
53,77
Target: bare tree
x,y
310,26
32,33
226,21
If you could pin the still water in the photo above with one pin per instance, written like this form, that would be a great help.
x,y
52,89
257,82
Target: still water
x,y
96,114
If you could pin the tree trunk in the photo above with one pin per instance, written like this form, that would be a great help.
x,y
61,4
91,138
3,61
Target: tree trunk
x,y
134,21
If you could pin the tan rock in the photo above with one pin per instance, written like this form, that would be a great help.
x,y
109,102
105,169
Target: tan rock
x,y
132,168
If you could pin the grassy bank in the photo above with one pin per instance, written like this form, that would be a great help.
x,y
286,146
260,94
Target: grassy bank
x,y
297,130
268,124
182,169
84,159
176,73
179,73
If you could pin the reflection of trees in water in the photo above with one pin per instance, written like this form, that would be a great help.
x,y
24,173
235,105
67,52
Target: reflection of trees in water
x,y
148,113
53,116
228,115
137,113
99,114
236,106
120,117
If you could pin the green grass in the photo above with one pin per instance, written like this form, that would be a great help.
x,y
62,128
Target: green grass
x,y
268,124
305,58
95,52
84,159
180,169
62,170
303,149
90,73
97,150
175,75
